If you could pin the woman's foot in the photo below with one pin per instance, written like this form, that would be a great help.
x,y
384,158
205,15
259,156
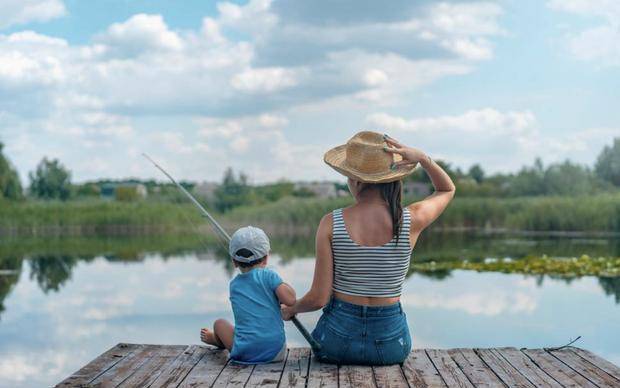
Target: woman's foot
x,y
208,337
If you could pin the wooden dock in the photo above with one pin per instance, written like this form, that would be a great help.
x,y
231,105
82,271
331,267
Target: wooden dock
x,y
132,365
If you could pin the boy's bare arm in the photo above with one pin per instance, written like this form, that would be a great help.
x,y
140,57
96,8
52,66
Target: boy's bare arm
x,y
286,294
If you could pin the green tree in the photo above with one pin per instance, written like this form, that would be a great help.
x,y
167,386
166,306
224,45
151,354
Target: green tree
x,y
51,180
233,192
10,186
568,179
608,163
274,191
529,180
476,173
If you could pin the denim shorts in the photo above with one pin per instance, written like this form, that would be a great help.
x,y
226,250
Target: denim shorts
x,y
362,335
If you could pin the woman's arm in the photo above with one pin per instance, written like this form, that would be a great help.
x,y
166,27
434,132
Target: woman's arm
x,y
321,289
427,210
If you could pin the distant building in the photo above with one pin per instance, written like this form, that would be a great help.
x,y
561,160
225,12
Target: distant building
x,y
320,189
417,189
123,191
206,189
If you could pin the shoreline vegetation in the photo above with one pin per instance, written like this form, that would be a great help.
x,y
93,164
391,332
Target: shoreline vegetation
x,y
560,215
565,267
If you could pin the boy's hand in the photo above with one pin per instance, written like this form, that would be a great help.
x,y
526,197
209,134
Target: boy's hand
x,y
287,312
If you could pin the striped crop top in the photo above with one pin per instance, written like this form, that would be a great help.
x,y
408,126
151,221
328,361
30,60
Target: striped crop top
x,y
370,271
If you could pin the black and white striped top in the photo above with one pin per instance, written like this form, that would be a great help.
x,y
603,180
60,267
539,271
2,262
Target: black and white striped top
x,y
370,271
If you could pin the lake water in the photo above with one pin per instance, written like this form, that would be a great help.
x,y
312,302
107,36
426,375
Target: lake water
x,y
64,302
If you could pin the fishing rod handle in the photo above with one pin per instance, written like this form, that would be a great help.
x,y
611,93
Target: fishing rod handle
x,y
313,343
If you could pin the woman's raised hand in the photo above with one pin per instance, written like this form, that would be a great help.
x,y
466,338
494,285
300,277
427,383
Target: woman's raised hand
x,y
410,155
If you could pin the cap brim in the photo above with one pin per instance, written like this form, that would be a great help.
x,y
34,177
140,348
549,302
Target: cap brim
x,y
336,159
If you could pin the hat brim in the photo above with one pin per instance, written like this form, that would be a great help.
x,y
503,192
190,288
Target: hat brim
x,y
336,159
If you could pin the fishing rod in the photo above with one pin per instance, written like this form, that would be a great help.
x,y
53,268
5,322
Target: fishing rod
x,y
223,235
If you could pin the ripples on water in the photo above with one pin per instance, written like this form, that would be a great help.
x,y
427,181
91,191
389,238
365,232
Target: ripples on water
x,y
64,302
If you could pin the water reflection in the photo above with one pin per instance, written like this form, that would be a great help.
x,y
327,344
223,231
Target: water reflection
x,y
65,301
51,262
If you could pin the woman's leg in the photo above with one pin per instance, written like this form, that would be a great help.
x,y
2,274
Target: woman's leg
x,y
221,336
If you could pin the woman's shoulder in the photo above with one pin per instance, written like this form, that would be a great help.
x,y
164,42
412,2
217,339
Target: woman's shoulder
x,y
326,224
328,218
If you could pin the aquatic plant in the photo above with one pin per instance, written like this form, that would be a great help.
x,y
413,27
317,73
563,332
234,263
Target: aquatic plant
x,y
538,265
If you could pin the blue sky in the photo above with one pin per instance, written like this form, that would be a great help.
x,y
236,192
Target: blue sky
x,y
267,86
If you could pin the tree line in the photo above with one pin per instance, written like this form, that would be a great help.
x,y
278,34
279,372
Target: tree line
x,y
52,180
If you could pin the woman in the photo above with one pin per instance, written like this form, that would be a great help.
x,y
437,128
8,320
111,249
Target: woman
x,y
363,252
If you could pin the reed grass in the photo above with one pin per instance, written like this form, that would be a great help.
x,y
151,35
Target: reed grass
x,y
300,216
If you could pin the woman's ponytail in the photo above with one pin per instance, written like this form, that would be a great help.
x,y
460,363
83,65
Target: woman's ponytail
x,y
392,193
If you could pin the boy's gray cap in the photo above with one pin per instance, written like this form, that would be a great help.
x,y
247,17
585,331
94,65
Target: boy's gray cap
x,y
251,238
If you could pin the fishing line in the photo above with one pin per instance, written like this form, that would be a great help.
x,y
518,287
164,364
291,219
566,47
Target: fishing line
x,y
224,236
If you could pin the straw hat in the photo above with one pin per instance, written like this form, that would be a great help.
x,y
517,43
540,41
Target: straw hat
x,y
364,159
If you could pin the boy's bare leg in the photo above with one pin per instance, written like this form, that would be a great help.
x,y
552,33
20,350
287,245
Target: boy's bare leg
x,y
221,336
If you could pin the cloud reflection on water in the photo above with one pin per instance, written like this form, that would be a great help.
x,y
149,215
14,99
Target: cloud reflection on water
x,y
48,335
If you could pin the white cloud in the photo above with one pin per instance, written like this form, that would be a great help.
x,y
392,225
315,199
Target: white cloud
x,y
375,77
264,80
230,84
240,144
140,33
25,11
253,17
600,43
272,121
484,121
17,368
28,59
606,8
504,141
473,303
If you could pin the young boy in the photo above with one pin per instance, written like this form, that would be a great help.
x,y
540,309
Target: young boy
x,y
255,295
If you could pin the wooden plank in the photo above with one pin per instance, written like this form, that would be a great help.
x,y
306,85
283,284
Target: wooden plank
x,y
531,371
234,375
474,368
150,370
296,369
204,373
180,368
126,367
321,374
420,371
195,366
452,375
354,376
603,364
389,376
267,375
99,365
561,372
585,368
502,368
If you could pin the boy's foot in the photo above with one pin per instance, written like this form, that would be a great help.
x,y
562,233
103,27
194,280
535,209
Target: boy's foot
x,y
208,337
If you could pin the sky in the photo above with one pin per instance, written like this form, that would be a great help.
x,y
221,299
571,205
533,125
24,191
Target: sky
x,y
267,86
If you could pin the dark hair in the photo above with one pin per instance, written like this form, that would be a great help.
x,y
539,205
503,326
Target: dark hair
x,y
247,253
391,193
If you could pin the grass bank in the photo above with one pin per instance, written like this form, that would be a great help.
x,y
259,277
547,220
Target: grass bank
x,y
34,218
600,213
298,216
